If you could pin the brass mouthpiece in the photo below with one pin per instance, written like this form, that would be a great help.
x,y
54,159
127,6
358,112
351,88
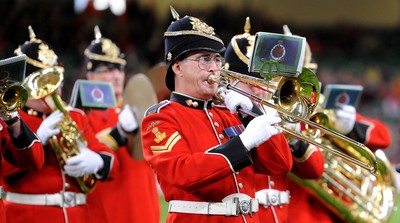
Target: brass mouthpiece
x,y
212,79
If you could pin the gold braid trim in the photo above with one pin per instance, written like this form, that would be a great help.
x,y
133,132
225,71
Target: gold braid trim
x,y
104,137
93,56
238,52
192,32
37,63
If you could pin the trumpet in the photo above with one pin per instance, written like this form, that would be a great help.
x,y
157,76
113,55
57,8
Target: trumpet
x,y
295,100
13,97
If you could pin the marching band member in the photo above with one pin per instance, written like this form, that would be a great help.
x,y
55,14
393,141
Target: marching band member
x,y
19,146
54,192
272,190
133,195
204,158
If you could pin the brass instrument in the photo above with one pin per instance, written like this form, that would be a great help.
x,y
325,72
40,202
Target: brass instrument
x,y
295,99
45,83
350,192
13,97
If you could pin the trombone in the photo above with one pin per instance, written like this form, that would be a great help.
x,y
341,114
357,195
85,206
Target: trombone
x,y
296,100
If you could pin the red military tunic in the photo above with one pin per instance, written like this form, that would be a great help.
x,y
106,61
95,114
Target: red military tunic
x,y
25,151
132,196
375,135
51,179
185,143
308,164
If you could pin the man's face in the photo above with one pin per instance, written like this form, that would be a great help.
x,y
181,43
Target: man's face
x,y
192,73
109,74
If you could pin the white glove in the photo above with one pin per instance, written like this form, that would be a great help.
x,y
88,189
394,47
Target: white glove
x,y
345,119
48,127
86,163
259,130
127,119
270,111
294,127
234,100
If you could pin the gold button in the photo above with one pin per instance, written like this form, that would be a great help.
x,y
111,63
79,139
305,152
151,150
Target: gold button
x,y
221,136
210,114
67,185
216,124
240,185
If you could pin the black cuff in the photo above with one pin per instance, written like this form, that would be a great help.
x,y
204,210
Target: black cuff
x,y
299,149
105,171
359,132
235,152
245,119
25,139
117,136
13,120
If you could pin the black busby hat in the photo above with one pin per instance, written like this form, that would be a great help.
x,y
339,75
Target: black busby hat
x,y
185,35
103,51
239,50
39,54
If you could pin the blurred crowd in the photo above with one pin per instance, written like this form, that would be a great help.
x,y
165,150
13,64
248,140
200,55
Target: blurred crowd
x,y
345,54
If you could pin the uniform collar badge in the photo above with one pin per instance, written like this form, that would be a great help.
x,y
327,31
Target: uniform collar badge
x,y
192,103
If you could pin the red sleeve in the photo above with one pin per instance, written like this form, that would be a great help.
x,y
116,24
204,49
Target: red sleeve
x,y
373,133
274,156
25,152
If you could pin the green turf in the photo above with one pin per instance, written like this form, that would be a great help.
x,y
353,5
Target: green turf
x,y
164,209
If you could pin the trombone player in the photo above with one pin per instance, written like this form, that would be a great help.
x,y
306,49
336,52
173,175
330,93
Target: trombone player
x,y
307,159
204,158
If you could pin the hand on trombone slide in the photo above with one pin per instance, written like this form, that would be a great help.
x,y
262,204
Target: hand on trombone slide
x,y
259,130
234,100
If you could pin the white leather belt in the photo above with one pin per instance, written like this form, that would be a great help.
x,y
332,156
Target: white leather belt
x,y
62,199
232,205
271,197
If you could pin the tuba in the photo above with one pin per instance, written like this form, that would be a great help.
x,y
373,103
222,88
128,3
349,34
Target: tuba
x,y
295,100
350,192
41,84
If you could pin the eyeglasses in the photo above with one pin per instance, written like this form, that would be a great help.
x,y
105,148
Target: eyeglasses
x,y
205,61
